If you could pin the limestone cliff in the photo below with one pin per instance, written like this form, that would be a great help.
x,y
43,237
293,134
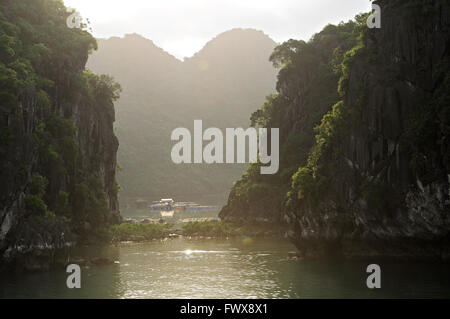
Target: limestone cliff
x,y
58,148
375,180
388,170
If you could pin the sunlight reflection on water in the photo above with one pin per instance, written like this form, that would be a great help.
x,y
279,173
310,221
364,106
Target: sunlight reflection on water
x,y
182,268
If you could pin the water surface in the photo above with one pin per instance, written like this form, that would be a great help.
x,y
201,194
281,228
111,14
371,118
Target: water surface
x,y
235,268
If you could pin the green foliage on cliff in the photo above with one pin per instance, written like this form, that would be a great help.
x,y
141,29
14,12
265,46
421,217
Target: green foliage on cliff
x,y
89,201
307,89
327,164
101,88
35,205
313,180
57,145
37,189
37,49
43,85
362,122
38,185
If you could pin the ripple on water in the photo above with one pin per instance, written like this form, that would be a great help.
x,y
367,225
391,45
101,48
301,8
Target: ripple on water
x,y
227,269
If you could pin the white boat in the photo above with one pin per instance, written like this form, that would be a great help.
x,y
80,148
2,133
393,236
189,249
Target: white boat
x,y
164,206
167,213
167,207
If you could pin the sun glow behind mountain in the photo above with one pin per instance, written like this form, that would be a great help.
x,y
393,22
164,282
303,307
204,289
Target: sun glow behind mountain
x,y
183,27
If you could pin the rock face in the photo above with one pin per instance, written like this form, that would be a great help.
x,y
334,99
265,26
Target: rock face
x,y
58,150
385,203
376,182
96,143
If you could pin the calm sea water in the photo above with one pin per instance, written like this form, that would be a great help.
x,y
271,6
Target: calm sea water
x,y
249,268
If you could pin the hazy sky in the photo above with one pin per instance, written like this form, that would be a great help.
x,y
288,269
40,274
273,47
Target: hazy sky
x,y
182,27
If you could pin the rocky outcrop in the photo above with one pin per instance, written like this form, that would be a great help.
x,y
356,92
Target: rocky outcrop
x,y
307,87
58,148
373,178
25,236
392,196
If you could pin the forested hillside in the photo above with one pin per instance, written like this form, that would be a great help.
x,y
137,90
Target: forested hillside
x,y
221,85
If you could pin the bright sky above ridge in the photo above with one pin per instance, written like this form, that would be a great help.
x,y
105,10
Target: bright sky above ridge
x,y
182,27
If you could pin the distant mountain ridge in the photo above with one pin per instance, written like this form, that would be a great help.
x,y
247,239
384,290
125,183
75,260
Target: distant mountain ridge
x,y
222,84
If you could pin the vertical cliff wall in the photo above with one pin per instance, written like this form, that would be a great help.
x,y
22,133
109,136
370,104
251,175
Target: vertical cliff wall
x,y
307,86
364,131
58,148
378,177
